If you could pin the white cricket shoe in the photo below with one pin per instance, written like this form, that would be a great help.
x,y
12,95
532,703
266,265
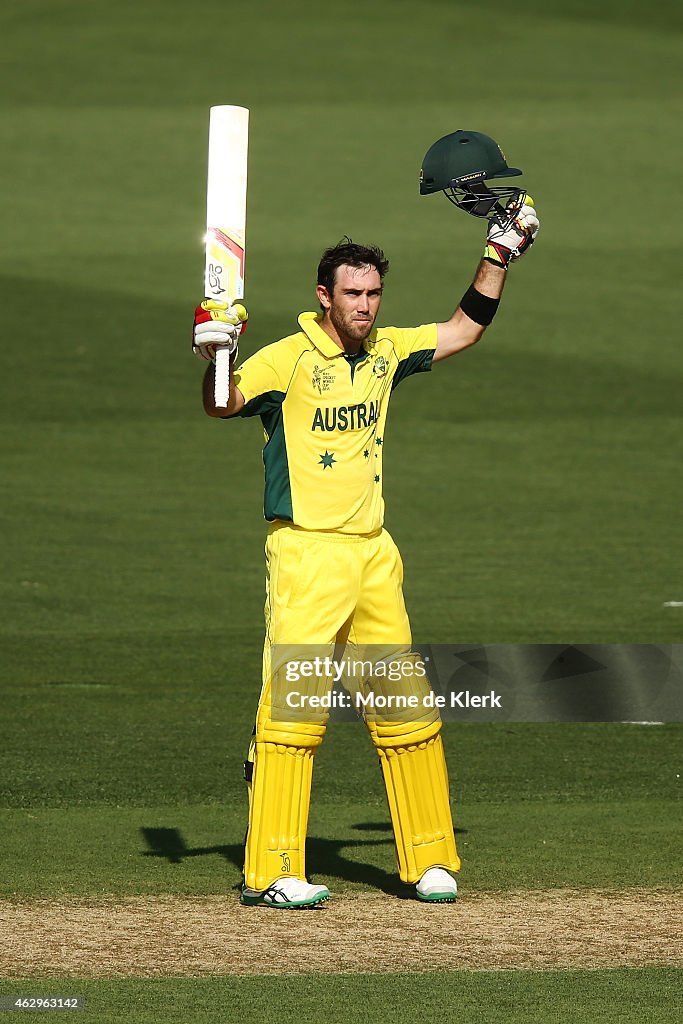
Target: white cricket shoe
x,y
286,893
437,886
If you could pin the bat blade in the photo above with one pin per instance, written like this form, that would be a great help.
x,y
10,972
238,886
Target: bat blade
x,y
226,219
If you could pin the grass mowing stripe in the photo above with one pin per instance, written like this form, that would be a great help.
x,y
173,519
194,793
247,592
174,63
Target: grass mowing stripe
x,y
198,850
581,997
120,722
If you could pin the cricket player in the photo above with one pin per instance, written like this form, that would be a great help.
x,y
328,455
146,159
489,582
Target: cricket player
x,y
333,573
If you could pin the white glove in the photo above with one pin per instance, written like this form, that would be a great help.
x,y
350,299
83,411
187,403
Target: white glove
x,y
217,325
506,243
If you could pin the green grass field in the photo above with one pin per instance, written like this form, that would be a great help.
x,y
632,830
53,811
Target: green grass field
x,y
577,996
533,484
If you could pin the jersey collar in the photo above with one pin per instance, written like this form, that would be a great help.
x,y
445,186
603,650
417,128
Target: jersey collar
x,y
310,325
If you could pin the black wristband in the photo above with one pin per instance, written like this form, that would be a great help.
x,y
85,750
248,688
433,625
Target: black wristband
x,y
478,307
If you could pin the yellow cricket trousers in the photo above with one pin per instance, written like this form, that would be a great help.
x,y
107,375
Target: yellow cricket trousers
x,y
332,589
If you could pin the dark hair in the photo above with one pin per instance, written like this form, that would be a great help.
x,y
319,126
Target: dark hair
x,y
348,253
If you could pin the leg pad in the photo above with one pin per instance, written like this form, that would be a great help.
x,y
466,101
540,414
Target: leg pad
x,y
416,781
279,799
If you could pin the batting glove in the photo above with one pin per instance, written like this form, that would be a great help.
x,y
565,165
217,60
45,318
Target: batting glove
x,y
217,325
507,239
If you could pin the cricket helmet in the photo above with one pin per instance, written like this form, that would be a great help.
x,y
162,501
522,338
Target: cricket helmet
x,y
460,164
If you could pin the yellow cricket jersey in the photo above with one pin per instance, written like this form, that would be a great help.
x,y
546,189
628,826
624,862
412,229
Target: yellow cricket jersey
x,y
324,415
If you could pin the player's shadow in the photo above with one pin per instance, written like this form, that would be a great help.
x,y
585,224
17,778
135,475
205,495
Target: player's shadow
x,y
169,844
325,855
328,860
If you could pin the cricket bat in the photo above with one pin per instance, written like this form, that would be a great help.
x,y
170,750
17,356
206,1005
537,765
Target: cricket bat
x,y
226,220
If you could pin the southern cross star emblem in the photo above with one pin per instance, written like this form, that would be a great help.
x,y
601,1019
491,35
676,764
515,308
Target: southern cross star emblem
x,y
327,460
366,454
378,440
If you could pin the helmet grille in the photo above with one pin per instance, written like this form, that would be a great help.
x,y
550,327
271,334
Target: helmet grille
x,y
477,199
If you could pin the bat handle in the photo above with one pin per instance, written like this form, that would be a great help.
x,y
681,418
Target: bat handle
x,y
221,390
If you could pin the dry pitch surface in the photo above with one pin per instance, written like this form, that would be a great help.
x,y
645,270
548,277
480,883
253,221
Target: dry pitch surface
x,y
171,936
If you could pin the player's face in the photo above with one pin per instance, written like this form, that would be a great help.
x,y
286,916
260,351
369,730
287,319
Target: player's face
x,y
354,303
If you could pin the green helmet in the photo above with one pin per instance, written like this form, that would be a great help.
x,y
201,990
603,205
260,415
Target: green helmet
x,y
459,165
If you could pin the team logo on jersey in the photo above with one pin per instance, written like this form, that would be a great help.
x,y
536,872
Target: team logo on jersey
x,y
322,379
380,367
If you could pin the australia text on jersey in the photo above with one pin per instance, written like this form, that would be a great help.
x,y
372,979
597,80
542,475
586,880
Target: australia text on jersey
x,y
345,417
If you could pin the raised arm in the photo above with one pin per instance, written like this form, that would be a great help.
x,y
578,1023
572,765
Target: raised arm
x,y
479,304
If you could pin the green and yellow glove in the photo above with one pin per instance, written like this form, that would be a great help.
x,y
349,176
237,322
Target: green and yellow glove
x,y
217,325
